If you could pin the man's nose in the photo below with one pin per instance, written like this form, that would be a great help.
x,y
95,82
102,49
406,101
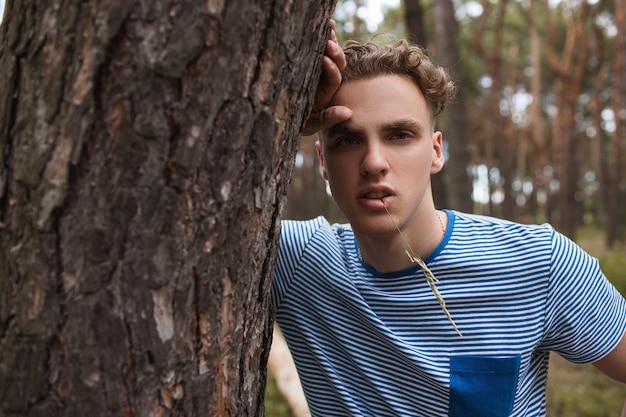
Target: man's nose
x,y
374,160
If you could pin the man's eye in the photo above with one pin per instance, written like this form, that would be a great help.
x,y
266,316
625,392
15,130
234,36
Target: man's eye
x,y
401,135
346,141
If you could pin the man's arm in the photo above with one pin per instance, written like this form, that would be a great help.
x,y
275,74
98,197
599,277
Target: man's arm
x,y
614,364
322,116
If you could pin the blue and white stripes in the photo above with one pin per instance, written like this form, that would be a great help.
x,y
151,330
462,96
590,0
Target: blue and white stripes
x,y
369,344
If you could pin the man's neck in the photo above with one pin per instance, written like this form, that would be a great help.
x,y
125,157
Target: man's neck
x,y
388,254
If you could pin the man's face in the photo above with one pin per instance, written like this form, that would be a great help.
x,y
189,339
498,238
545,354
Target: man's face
x,y
386,152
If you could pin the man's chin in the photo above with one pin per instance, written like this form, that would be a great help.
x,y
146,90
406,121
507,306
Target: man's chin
x,y
380,227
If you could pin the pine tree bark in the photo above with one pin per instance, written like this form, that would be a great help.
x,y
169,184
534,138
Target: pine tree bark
x,y
145,152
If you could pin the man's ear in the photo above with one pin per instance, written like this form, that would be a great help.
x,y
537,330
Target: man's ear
x,y
320,157
438,156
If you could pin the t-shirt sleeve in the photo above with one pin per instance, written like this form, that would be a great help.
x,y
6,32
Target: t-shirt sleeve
x,y
294,237
586,315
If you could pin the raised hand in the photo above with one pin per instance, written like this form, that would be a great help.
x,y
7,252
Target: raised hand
x,y
323,116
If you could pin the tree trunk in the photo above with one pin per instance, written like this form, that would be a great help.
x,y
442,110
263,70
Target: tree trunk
x,y
599,142
145,151
539,159
414,18
508,142
493,56
307,196
459,184
568,65
615,211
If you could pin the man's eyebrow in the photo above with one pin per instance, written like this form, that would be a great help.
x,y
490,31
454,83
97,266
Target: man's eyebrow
x,y
409,124
341,129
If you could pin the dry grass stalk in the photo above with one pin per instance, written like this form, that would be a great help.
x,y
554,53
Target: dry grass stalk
x,y
430,277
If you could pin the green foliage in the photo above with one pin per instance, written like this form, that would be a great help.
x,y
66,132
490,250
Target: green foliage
x,y
275,404
582,391
613,264
612,261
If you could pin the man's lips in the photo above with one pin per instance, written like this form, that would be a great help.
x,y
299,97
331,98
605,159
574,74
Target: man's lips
x,y
376,194
375,198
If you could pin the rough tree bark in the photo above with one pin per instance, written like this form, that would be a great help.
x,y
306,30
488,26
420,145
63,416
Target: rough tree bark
x,y
145,151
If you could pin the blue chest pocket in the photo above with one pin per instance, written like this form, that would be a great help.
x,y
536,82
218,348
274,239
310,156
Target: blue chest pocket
x,y
482,386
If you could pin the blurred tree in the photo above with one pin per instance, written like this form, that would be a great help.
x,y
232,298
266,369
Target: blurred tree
x,y
307,196
538,159
600,67
145,150
616,215
414,17
568,66
458,185
494,138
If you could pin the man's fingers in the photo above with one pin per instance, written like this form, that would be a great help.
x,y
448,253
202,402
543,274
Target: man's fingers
x,y
329,83
333,36
326,119
333,63
335,53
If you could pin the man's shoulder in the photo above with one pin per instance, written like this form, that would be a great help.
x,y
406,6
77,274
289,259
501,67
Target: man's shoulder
x,y
483,222
487,231
306,230
315,224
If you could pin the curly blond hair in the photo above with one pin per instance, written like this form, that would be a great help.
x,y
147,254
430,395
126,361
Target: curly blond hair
x,y
370,59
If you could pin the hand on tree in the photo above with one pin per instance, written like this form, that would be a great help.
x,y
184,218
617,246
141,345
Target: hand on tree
x,y
323,116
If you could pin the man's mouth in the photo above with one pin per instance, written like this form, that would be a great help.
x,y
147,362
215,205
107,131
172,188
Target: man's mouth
x,y
376,195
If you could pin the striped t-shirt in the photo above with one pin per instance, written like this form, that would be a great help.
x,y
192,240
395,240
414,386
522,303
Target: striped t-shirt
x,y
372,344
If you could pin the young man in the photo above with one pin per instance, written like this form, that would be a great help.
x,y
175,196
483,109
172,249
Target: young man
x,y
370,336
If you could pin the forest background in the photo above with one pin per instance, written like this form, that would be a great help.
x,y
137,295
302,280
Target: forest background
x,y
538,134
543,96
